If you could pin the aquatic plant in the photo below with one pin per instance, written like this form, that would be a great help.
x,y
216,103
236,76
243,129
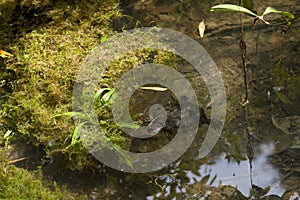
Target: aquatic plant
x,y
102,99
249,10
247,7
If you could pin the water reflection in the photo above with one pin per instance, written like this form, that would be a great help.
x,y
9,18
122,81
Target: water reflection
x,y
224,172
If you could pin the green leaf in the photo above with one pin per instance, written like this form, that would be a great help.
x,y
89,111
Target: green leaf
x,y
99,93
233,8
76,133
273,10
136,116
105,98
79,115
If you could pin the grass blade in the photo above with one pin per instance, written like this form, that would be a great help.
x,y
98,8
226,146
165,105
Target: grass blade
x,y
76,133
99,93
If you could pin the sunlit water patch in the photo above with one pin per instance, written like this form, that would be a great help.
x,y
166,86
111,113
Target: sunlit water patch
x,y
225,172
229,172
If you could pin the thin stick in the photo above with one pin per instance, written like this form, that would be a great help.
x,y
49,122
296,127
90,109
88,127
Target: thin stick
x,y
243,51
17,160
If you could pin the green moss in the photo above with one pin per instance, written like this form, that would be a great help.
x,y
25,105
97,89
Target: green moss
x,y
48,52
16,183
47,55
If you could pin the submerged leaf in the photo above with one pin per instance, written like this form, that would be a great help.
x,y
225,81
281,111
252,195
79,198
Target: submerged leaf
x,y
283,98
233,8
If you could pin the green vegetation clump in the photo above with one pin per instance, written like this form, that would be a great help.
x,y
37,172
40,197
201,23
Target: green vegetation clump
x,y
102,99
17,183
49,41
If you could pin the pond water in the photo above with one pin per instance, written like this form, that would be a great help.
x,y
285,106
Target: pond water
x,y
253,157
264,174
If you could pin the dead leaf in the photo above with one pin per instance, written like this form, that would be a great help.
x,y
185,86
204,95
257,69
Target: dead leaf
x,y
5,54
160,89
201,28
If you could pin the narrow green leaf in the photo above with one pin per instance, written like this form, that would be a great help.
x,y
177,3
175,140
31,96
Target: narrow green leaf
x,y
71,114
79,115
99,93
233,8
106,97
76,133
137,116
273,10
